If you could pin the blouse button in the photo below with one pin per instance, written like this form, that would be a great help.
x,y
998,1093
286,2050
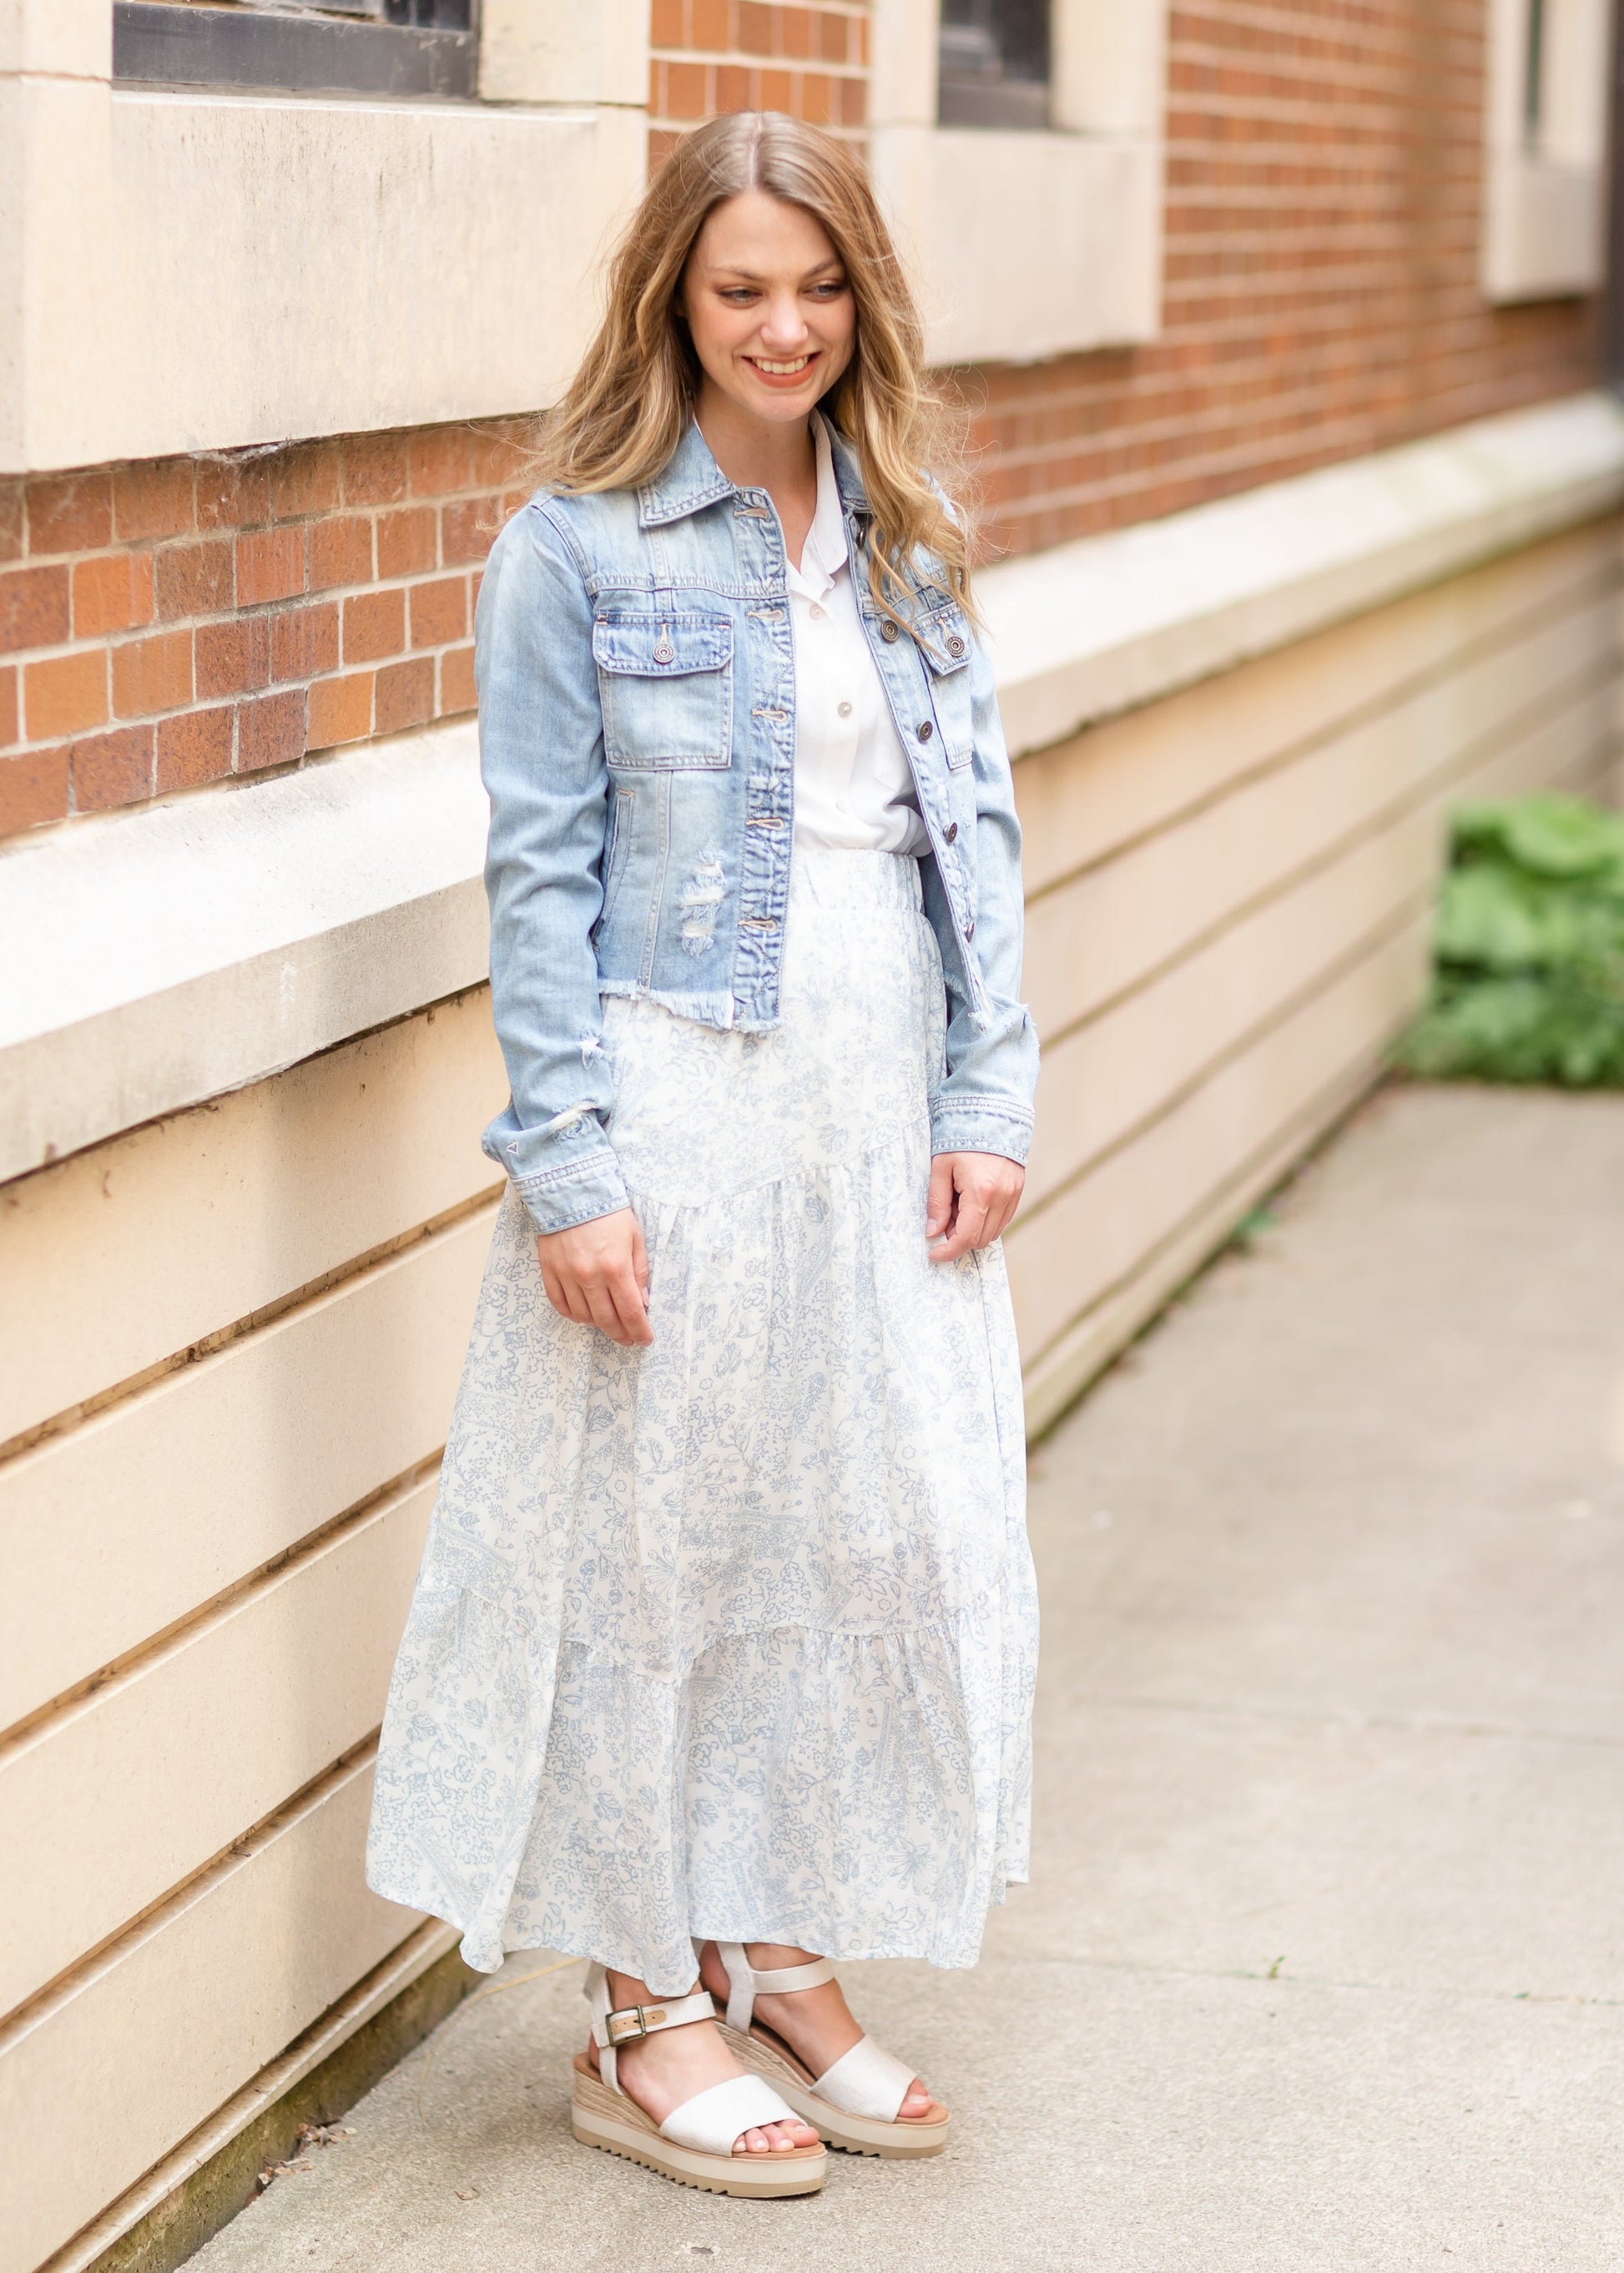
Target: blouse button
x,y
845,709
925,731
816,612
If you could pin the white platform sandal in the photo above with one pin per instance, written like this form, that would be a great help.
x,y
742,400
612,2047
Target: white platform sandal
x,y
695,2144
856,2102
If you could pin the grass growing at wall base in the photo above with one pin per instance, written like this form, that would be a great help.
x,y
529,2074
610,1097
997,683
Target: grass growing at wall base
x,y
1529,981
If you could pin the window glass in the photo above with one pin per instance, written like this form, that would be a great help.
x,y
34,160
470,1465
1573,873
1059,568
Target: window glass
x,y
438,15
994,63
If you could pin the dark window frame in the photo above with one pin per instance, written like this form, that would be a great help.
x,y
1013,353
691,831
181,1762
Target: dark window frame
x,y
1534,73
297,47
1612,297
984,79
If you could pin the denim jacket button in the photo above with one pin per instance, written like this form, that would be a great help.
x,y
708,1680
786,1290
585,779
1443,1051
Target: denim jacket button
x,y
925,731
888,630
952,830
970,931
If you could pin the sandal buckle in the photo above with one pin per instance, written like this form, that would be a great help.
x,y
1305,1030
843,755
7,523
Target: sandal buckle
x,y
630,2021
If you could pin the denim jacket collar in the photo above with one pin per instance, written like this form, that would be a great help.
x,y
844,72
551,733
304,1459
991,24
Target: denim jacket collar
x,y
691,479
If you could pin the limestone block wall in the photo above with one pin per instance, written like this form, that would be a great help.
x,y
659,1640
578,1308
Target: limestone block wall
x,y
230,1343
1229,897
239,1288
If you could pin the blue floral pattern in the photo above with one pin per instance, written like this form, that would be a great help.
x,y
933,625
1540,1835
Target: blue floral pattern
x,y
734,1636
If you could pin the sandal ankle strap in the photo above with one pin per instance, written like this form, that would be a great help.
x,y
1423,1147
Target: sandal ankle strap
x,y
626,2022
746,1984
623,2025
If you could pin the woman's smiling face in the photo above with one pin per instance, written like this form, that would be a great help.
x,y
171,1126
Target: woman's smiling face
x,y
769,307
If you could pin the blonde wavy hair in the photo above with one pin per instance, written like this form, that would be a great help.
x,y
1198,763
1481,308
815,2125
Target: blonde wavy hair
x,y
630,403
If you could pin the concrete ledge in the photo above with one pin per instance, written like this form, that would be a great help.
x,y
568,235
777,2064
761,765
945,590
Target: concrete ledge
x,y
1113,621
167,955
164,956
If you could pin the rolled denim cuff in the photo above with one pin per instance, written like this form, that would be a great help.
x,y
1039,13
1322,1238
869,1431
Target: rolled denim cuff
x,y
588,1188
982,1124
565,1174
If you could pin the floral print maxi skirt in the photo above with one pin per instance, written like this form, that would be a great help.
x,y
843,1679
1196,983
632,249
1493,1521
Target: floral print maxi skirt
x,y
734,1636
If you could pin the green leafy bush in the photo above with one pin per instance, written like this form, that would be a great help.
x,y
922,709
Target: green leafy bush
x,y
1529,978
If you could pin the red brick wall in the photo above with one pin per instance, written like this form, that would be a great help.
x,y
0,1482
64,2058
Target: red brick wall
x,y
712,55
170,623
1324,192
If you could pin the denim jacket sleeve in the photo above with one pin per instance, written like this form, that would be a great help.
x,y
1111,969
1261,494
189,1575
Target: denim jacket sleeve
x,y
541,754
984,1102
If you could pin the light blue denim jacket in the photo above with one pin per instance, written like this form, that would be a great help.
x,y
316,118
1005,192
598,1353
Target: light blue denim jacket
x,y
637,738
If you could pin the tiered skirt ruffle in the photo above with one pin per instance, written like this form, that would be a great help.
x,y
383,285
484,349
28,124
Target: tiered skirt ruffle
x,y
734,1636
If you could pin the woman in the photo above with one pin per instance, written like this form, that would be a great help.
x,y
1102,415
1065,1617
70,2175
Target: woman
x,y
719,1665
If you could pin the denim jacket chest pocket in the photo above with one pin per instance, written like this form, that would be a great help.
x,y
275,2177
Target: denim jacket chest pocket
x,y
666,687
943,640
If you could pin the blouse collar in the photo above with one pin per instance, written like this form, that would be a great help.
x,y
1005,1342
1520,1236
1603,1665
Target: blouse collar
x,y
823,554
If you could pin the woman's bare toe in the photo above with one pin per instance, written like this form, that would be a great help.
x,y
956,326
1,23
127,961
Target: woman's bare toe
x,y
775,2139
916,2102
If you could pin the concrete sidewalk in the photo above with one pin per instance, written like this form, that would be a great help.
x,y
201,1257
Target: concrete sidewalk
x,y
1321,1967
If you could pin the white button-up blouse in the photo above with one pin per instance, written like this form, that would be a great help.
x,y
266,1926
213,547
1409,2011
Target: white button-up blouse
x,y
854,790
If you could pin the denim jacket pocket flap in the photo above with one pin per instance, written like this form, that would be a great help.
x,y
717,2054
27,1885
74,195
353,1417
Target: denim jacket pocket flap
x,y
944,640
665,690
661,647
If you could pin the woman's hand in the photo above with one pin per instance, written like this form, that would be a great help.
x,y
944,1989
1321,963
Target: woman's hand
x,y
973,1196
597,1273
